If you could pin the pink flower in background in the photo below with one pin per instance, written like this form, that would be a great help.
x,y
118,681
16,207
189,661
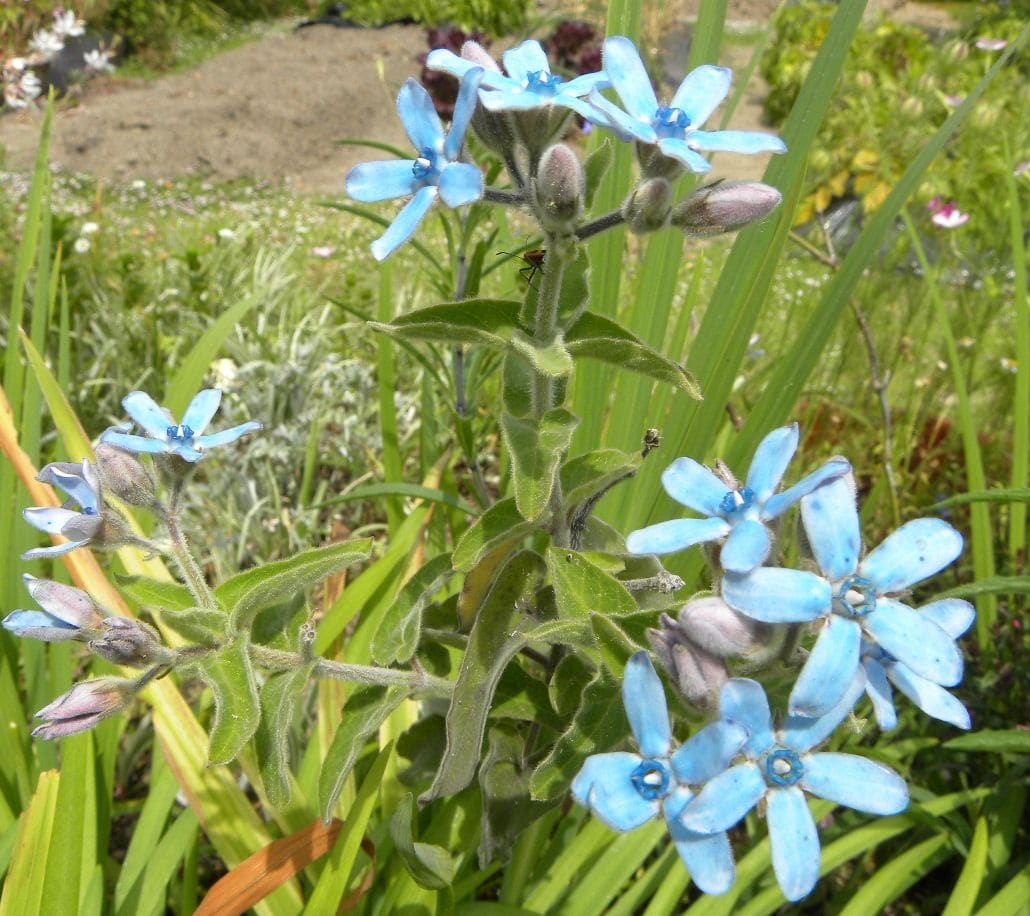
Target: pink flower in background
x,y
1022,169
323,251
946,215
991,44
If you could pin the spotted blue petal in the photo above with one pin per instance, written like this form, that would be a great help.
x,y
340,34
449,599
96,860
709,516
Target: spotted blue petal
x,y
917,550
778,503
460,183
225,436
771,459
775,595
932,699
629,77
142,408
831,523
878,689
680,150
691,484
677,534
418,115
373,181
202,409
735,141
743,702
830,668
795,842
915,641
708,752
701,92
464,106
747,546
855,782
725,799
644,699
404,223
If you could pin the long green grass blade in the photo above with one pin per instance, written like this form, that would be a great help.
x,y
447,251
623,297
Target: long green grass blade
x,y
1021,399
23,888
893,878
391,453
967,888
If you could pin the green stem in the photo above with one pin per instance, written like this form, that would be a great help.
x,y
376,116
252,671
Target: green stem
x,y
191,572
545,322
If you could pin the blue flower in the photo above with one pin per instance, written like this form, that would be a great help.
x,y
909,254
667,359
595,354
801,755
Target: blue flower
x,y
780,767
627,790
68,613
81,483
881,669
855,599
435,172
737,513
673,128
165,436
529,82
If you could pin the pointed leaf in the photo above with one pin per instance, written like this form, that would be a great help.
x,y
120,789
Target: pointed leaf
x,y
500,524
552,360
581,588
155,593
430,866
230,676
487,322
536,448
196,624
400,629
280,697
586,475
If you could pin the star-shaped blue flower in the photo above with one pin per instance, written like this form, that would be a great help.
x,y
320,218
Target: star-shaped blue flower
x,y
882,669
779,767
81,483
854,598
435,172
68,613
673,128
627,790
737,513
166,437
529,82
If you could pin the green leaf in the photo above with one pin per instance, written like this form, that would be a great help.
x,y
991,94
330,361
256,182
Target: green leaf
x,y
197,624
23,887
492,643
487,322
536,448
574,295
248,592
230,676
594,472
430,866
580,587
553,360
500,524
598,726
567,684
155,593
399,632
596,166
999,741
280,697
967,888
996,585
411,490
517,385
615,646
596,337
367,708
893,878
1011,898
997,495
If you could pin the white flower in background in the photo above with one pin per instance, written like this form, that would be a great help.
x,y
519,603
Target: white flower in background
x,y
82,245
46,43
1009,365
98,61
991,44
66,23
323,251
225,372
226,233
89,228
30,85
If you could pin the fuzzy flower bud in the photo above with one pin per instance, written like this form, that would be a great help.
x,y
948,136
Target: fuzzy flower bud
x,y
560,187
82,707
655,164
124,476
698,675
68,613
725,206
130,642
648,206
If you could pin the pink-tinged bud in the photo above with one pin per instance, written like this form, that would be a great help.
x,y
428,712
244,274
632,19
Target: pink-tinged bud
x,y
475,52
560,187
725,206
697,675
648,206
912,107
864,79
130,642
82,707
122,474
68,613
718,629
956,51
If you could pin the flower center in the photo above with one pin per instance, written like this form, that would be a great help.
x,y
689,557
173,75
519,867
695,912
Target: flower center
x,y
423,166
856,597
670,122
89,510
783,767
179,433
737,500
651,780
543,83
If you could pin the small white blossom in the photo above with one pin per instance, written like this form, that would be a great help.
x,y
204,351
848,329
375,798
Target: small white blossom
x,y
46,43
98,61
66,23
89,228
82,245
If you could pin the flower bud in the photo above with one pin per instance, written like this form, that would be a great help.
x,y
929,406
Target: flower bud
x,y
718,629
697,675
83,707
560,187
495,130
130,642
124,475
724,207
912,107
655,164
473,51
956,51
68,613
648,206
538,128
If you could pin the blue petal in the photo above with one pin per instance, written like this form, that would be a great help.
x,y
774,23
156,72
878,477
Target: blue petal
x,y
75,483
419,117
201,409
735,141
855,782
584,84
795,842
629,77
460,183
134,443
468,98
878,689
678,534
50,519
708,752
404,224
448,62
38,625
747,547
775,595
935,701
953,615
604,785
372,181
225,436
743,702
915,551
694,486
680,150
830,668
187,452
70,605
915,641
779,503
516,100
804,732
831,523
724,800
586,110
701,92
40,553
142,408
771,459
709,859
625,125
524,59
644,699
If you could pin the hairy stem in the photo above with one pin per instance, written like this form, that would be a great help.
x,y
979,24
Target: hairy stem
x,y
191,570
500,196
601,224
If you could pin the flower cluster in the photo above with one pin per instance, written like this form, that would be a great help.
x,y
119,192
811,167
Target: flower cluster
x,y
868,641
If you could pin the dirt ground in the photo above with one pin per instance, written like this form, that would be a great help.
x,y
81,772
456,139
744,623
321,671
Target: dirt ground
x,y
274,109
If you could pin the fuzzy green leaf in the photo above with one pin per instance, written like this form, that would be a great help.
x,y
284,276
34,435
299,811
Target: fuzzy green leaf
x,y
553,360
280,697
398,633
500,524
487,322
536,448
430,866
586,475
155,593
197,624
230,676
581,588
997,741
596,337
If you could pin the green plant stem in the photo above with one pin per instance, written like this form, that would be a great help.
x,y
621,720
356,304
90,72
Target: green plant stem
x,y
602,223
545,323
355,674
191,571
